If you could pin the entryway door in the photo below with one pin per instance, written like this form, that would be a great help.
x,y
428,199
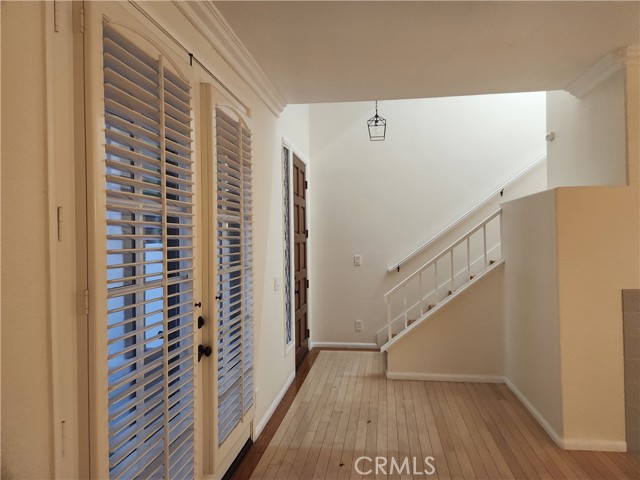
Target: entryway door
x,y
301,277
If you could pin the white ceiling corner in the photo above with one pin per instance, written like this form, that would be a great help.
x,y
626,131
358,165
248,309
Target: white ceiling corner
x,y
332,51
597,73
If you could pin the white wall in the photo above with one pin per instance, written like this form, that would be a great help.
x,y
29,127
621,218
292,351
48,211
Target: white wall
x,y
532,336
383,199
589,144
274,365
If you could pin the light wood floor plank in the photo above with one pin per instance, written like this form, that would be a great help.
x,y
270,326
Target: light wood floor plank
x,y
430,445
347,409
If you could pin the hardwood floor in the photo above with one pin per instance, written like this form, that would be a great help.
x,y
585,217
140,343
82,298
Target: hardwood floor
x,y
347,409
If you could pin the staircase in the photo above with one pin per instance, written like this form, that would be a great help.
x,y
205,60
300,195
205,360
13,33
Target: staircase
x,y
424,292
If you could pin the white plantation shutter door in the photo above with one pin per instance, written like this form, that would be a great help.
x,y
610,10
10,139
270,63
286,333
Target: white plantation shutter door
x,y
234,283
150,260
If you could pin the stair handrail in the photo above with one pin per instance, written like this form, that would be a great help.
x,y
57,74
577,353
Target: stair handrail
x,y
443,253
434,261
471,211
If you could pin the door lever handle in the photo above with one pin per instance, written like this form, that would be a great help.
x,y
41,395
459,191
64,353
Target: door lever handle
x,y
202,350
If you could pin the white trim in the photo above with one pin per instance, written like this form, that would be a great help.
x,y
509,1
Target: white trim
x,y
259,427
444,377
594,445
361,345
210,23
558,440
466,215
632,55
290,282
597,73
566,443
228,460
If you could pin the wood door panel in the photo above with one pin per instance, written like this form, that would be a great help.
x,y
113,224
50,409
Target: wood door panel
x,y
300,258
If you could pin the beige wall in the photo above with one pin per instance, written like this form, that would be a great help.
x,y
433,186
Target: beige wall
x,y
532,337
27,447
465,338
597,258
30,417
589,144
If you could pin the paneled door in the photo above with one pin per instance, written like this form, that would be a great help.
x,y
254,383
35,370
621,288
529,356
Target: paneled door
x,y
301,278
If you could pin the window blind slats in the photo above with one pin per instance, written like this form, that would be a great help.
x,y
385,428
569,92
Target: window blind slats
x,y
150,261
233,257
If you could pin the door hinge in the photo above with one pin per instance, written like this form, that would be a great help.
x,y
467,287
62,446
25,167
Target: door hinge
x,y
55,16
86,302
81,19
59,217
308,333
307,283
306,233
306,184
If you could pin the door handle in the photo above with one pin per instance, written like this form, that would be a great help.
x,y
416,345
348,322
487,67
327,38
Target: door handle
x,y
202,350
200,322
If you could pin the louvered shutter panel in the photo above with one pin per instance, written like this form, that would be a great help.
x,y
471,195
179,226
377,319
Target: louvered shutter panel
x,y
149,202
234,230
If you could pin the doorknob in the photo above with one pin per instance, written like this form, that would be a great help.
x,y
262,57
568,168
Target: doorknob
x,y
202,350
200,321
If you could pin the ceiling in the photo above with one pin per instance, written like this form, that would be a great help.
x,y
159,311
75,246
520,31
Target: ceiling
x,y
364,50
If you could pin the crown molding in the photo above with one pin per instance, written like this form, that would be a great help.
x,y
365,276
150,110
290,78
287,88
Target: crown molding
x,y
632,55
602,70
209,22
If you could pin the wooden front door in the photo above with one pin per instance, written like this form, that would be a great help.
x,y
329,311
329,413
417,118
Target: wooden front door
x,y
301,282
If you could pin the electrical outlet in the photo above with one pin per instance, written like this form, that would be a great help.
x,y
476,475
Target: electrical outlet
x,y
358,325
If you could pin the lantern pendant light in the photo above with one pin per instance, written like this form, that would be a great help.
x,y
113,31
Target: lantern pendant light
x,y
377,127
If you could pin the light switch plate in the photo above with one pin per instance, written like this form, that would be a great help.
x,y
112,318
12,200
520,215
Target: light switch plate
x,y
357,260
277,283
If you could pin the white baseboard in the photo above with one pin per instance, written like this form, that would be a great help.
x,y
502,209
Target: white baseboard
x,y
343,345
567,443
595,445
444,377
558,440
272,408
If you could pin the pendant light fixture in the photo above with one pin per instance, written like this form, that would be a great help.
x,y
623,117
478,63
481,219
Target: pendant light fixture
x,y
377,127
